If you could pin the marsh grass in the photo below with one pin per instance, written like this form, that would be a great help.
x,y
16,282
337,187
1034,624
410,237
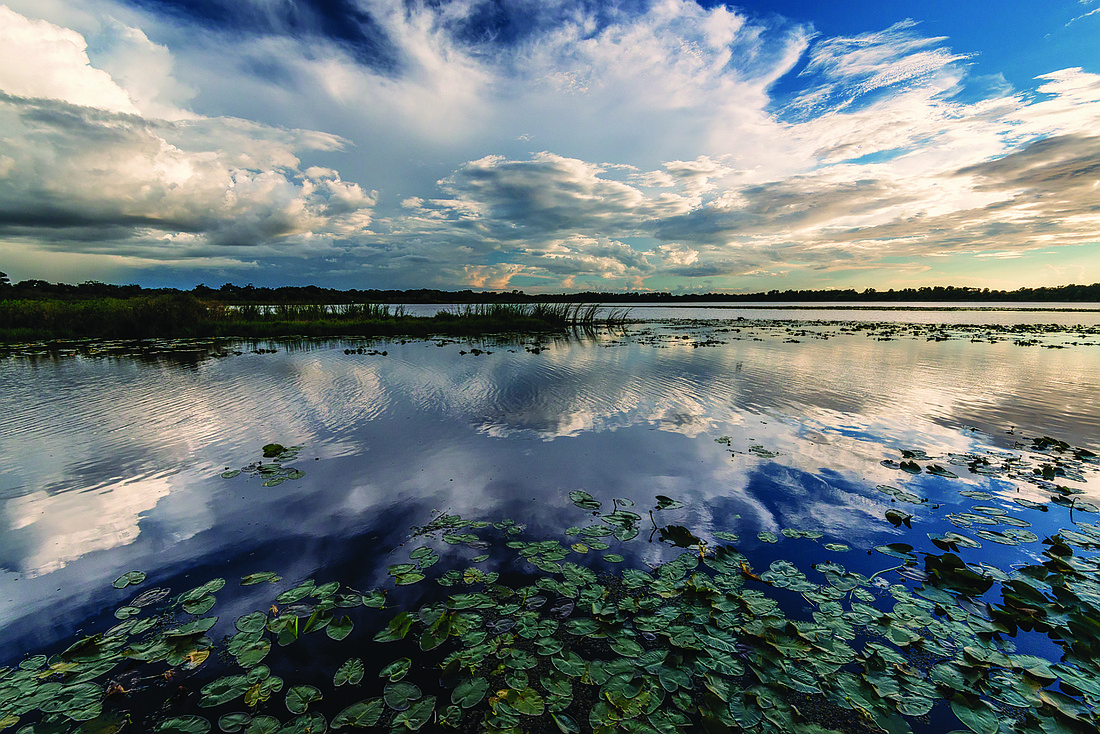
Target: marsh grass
x,y
183,315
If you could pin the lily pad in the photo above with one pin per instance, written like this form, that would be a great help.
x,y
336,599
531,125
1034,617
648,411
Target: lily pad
x,y
470,692
339,628
351,672
418,714
396,670
361,715
399,696
233,722
299,698
183,725
130,578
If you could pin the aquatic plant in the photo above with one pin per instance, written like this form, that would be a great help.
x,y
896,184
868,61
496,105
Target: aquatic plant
x,y
704,640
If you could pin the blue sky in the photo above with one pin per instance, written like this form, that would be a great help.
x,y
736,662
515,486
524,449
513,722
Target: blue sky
x,y
551,145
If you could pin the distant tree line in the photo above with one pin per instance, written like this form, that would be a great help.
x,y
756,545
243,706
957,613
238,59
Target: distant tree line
x,y
236,294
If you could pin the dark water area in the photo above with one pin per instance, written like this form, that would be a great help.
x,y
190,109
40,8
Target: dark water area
x,y
113,459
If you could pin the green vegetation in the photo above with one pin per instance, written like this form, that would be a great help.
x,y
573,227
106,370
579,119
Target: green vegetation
x,y
231,294
184,315
701,642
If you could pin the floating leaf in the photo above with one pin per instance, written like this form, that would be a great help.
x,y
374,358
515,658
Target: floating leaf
x,y
897,518
361,715
396,670
351,672
130,578
374,599
223,690
469,693
897,550
299,698
340,628
252,653
183,725
263,725
565,723
975,713
259,578
233,722
584,500
418,714
254,622
667,503
766,536
526,701
398,627
399,696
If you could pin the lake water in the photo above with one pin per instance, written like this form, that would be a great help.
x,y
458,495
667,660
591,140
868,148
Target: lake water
x,y
794,421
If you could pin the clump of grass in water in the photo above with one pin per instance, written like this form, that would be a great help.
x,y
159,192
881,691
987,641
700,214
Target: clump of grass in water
x,y
576,315
183,315
698,642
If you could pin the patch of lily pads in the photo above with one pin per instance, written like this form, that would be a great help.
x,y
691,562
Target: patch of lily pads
x,y
565,636
273,472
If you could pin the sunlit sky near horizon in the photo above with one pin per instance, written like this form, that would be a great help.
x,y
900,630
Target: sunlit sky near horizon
x,y
551,145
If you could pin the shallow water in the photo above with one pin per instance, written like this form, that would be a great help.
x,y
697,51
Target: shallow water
x,y
113,462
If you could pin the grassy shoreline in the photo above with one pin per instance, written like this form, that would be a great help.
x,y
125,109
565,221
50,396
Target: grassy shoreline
x,y
183,315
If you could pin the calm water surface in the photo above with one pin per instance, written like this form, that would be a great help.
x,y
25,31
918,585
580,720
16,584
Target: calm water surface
x,y
113,462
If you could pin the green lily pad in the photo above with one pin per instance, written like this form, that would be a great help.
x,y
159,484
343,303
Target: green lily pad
x,y
396,670
398,627
351,672
130,578
374,599
252,653
340,628
571,664
976,714
183,725
296,594
233,722
263,725
897,550
361,715
254,622
526,701
418,714
469,693
259,578
399,696
583,500
202,605
223,690
299,698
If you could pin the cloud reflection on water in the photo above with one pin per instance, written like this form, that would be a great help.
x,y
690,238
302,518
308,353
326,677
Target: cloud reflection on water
x,y
127,475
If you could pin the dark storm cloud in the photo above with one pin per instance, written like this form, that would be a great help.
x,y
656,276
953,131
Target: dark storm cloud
x,y
344,22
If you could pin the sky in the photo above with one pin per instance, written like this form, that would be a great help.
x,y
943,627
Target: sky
x,y
551,145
